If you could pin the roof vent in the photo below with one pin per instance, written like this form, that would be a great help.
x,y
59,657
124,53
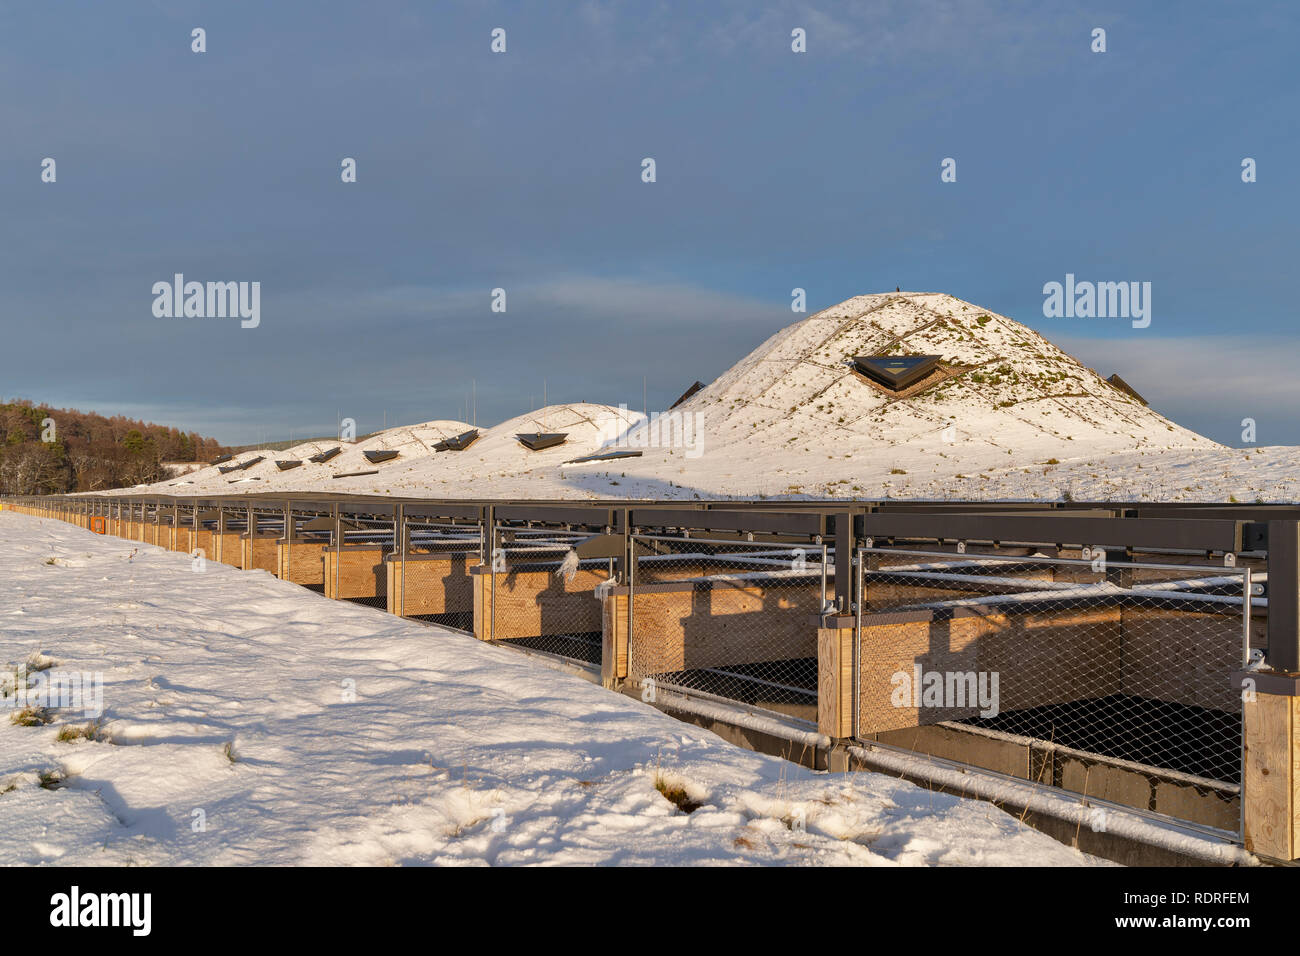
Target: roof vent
x,y
604,456
895,372
687,394
1125,387
536,441
241,466
458,442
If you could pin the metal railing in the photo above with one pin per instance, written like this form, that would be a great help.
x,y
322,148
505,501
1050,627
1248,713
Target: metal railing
x,y
542,596
1114,665
357,561
434,583
1093,674
728,620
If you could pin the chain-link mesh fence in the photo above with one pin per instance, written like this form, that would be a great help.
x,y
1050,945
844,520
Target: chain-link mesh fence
x,y
1093,673
431,582
162,528
184,537
541,597
203,541
229,546
356,567
260,540
301,552
731,620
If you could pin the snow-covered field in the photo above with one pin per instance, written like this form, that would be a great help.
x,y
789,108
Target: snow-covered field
x,y
226,702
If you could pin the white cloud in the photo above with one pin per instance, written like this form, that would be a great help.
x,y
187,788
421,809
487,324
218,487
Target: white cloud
x,y
1207,383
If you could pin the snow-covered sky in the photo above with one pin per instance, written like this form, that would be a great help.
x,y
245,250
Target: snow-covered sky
x,y
522,171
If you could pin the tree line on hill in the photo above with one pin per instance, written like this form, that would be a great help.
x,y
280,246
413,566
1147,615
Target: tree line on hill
x,y
53,451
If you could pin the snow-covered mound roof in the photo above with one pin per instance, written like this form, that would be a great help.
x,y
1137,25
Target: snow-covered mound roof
x,y
1004,415
498,454
1003,386
412,442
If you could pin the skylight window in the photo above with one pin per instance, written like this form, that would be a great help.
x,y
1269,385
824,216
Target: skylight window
x,y
458,442
536,441
895,372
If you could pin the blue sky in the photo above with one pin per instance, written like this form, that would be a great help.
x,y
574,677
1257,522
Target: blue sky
x,y
522,170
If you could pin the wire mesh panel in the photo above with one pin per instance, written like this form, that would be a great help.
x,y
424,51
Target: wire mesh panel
x,y
356,568
431,580
162,528
230,541
542,597
731,620
184,529
301,556
203,541
261,540
1092,673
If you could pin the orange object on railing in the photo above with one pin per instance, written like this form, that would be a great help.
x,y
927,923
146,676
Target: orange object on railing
x,y
97,524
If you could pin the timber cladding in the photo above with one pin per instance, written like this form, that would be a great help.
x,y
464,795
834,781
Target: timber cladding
x,y
535,603
431,584
355,572
1272,779
1200,643
260,552
614,638
201,541
304,564
230,548
835,681
1044,656
1040,657
711,623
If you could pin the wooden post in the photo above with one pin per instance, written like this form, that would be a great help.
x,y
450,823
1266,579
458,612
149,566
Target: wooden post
x,y
220,532
482,577
836,695
1270,788
615,620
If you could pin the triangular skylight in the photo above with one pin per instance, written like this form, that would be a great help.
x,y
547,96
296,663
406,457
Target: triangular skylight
x,y
458,442
896,372
536,441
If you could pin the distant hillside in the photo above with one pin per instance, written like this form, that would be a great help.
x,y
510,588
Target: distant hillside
x,y
48,450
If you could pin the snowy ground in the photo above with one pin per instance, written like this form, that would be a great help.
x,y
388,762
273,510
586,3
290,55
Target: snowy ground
x,y
225,693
